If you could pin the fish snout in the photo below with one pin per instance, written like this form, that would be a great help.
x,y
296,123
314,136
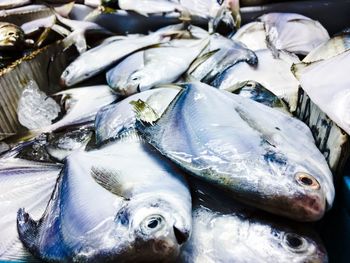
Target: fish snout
x,y
310,200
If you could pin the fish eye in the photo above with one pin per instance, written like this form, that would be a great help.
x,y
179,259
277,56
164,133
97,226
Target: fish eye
x,y
250,84
307,181
294,242
152,223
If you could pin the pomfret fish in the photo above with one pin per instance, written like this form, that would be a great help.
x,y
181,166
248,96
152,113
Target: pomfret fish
x,y
86,65
122,203
225,231
142,70
331,92
272,72
245,147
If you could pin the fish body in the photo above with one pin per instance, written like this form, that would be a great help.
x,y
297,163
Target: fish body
x,y
272,72
120,203
330,93
86,65
244,147
144,71
293,32
225,231
221,54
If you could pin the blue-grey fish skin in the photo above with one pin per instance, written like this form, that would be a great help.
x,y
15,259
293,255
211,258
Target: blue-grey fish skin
x,y
248,149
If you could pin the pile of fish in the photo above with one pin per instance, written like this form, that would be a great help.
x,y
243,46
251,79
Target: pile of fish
x,y
178,145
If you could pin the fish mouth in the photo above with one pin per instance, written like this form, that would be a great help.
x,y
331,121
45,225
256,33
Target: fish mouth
x,y
181,236
62,82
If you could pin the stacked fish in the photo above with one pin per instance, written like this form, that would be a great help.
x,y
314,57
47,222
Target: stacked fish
x,y
186,150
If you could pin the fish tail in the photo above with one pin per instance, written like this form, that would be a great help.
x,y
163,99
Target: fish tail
x,y
27,230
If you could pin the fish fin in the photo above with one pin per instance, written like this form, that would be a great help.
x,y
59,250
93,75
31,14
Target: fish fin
x,y
185,16
144,112
198,61
22,184
27,229
78,39
64,10
109,179
298,68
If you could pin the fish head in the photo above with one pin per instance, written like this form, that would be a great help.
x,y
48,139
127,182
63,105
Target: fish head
x,y
73,74
306,191
296,246
11,36
158,229
138,81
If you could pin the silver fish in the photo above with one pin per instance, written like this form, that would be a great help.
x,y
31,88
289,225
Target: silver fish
x,y
293,32
86,65
22,183
142,70
327,84
7,4
114,119
244,147
224,231
221,54
272,72
121,203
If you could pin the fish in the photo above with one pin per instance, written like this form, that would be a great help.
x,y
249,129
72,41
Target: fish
x,y
13,3
335,46
293,32
243,147
141,71
257,92
252,35
221,54
113,120
86,65
122,202
150,6
12,37
22,183
326,82
226,231
272,72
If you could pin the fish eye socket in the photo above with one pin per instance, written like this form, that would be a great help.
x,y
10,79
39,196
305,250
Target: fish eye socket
x,y
307,181
294,242
152,223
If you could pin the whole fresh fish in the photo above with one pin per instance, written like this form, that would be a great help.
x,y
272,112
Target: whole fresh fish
x,y
86,65
244,147
11,37
293,32
255,91
142,70
252,35
327,84
114,119
335,46
272,72
7,4
229,232
122,203
221,54
22,183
